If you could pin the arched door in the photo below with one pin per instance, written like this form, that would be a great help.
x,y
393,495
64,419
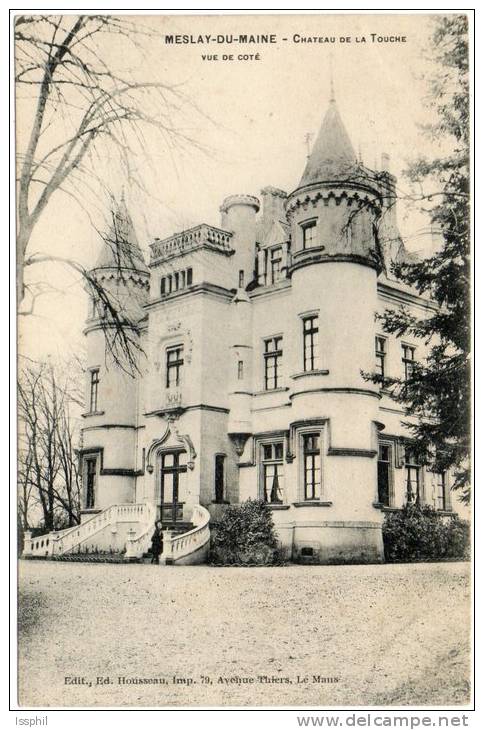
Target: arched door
x,y
173,469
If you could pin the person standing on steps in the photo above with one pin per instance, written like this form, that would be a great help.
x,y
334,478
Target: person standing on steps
x,y
156,543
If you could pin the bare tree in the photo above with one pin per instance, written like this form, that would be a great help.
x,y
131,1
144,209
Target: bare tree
x,y
82,111
49,481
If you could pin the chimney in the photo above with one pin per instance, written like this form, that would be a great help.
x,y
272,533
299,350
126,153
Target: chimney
x,y
273,200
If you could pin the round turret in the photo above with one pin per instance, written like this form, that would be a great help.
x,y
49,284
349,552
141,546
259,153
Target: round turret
x,y
118,286
239,217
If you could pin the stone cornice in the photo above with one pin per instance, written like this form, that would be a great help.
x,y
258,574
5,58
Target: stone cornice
x,y
240,199
351,192
203,288
105,273
356,391
322,258
394,293
281,287
106,471
104,325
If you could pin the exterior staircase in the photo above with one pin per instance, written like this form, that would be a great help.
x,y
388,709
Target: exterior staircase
x,y
122,533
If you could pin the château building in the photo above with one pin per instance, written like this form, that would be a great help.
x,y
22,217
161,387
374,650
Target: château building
x,y
255,337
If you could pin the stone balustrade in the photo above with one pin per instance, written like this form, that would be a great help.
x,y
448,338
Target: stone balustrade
x,y
137,544
66,541
182,547
178,548
189,240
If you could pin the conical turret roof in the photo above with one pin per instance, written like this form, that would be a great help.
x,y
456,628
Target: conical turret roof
x,y
332,156
121,249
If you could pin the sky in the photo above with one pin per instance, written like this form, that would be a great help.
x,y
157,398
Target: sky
x,y
250,118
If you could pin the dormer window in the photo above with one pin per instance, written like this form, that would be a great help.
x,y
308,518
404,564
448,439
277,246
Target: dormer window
x,y
309,235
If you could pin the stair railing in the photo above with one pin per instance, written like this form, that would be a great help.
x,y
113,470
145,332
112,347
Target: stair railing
x,y
138,544
180,546
65,543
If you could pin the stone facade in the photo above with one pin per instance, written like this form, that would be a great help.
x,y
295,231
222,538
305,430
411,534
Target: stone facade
x,y
255,338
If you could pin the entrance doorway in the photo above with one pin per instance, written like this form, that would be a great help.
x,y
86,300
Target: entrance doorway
x,y
173,471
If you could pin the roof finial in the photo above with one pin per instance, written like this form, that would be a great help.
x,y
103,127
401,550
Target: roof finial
x,y
332,97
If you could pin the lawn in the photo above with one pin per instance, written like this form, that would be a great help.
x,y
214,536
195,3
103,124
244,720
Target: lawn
x,y
141,635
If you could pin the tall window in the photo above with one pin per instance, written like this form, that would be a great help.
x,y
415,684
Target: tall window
x,y
91,476
273,472
174,365
312,465
93,395
240,370
309,234
311,343
412,476
384,465
163,286
408,359
189,277
172,485
440,496
380,353
275,263
219,477
272,363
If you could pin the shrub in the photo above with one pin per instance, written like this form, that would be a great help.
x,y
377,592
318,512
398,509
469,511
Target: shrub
x,y
420,533
245,535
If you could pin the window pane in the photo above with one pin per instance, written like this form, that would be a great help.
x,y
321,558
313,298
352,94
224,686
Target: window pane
x,y
309,234
278,451
384,483
167,486
267,449
384,452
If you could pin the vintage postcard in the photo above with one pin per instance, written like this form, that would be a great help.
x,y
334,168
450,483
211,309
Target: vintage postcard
x,y
244,282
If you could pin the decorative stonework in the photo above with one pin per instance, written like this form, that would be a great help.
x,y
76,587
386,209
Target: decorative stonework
x,y
202,236
122,276
171,431
363,200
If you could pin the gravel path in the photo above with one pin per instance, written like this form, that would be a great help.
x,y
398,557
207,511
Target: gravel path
x,y
312,635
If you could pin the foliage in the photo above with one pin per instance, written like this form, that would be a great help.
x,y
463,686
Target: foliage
x,y
438,392
245,535
417,533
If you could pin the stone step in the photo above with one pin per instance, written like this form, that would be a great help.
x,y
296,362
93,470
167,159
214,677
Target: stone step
x,y
178,527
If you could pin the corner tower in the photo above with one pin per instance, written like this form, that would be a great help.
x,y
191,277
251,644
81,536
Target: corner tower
x,y
335,260
118,287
